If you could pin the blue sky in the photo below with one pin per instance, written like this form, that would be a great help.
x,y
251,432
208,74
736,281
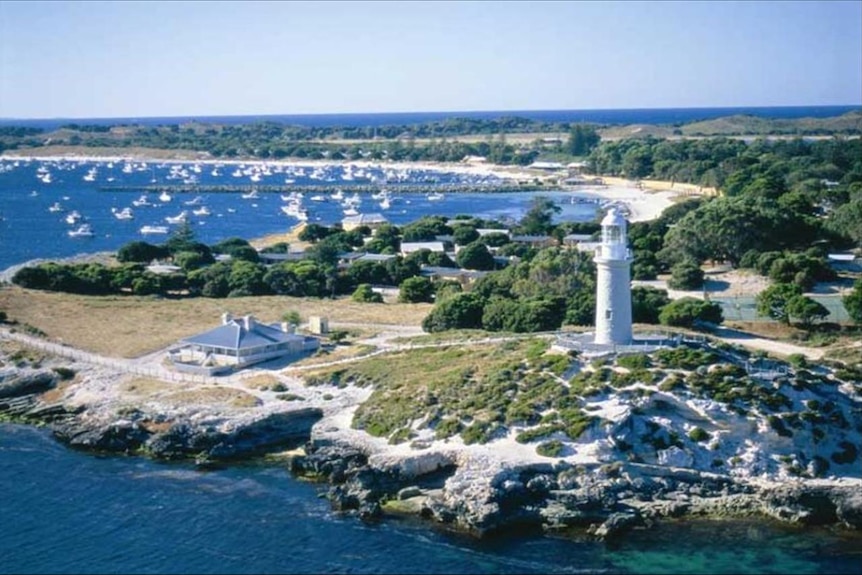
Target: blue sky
x,y
137,59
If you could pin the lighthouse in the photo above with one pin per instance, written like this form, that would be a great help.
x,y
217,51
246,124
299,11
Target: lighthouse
x,y
613,282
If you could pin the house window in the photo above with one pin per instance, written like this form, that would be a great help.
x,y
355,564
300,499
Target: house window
x,y
609,314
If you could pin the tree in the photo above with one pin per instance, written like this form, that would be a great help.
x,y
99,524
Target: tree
x,y
141,252
685,275
416,290
495,239
772,302
191,260
806,310
182,239
686,311
460,311
365,294
582,139
463,235
246,279
539,217
647,303
314,232
475,256
853,302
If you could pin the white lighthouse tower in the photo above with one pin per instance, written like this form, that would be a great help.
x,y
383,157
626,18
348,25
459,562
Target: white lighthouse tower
x,y
613,283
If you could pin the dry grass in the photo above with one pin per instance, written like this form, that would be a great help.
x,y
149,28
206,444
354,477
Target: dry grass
x,y
212,395
145,386
131,326
340,352
138,153
260,381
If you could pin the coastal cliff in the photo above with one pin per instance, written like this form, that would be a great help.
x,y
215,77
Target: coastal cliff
x,y
638,461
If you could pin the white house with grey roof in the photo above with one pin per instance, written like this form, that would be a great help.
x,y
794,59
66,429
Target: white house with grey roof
x,y
242,341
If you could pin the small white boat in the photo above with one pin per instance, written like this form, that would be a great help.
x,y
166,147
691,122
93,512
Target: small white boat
x,y
82,231
318,198
178,219
196,201
154,229
351,211
124,214
143,200
55,207
164,197
435,196
202,211
251,195
74,217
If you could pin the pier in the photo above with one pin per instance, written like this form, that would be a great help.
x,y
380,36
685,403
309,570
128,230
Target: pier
x,y
419,188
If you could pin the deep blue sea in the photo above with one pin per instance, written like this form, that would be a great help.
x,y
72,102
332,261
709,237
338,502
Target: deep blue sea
x,y
70,512
29,229
608,116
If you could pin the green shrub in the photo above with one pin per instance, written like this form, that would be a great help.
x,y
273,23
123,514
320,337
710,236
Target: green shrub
x,y
635,361
447,428
552,448
698,434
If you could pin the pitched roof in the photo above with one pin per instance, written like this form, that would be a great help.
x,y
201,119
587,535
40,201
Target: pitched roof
x,y
242,333
362,219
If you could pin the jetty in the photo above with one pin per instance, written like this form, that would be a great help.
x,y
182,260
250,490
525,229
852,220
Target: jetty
x,y
417,188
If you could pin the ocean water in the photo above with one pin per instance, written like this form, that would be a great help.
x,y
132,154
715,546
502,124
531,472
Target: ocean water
x,y
70,512
606,116
29,229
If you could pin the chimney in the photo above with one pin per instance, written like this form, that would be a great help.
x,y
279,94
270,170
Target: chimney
x,y
226,318
288,327
248,322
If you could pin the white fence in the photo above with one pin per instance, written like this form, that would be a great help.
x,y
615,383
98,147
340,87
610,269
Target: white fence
x,y
122,365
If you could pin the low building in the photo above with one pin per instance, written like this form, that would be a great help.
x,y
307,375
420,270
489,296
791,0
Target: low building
x,y
537,241
464,277
373,221
546,165
243,341
408,248
572,240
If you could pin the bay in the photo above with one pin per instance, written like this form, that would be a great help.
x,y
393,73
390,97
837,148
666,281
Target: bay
x,y
29,229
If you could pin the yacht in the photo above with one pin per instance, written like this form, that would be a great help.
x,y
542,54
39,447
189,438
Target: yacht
x,y
55,207
196,201
84,230
154,229
143,200
178,219
251,195
435,196
124,214
164,196
74,217
202,211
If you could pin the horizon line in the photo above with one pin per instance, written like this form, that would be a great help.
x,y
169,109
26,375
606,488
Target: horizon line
x,y
180,116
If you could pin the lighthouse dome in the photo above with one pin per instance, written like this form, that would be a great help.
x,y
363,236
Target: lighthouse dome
x,y
614,218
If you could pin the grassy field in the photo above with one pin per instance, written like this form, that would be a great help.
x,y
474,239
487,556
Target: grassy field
x,y
131,326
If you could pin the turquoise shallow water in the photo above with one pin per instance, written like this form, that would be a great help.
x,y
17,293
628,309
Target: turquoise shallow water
x,y
71,512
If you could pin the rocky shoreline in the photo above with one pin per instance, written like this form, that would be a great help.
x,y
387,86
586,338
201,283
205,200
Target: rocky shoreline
x,y
453,488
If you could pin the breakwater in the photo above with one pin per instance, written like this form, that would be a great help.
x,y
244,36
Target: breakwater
x,y
328,188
